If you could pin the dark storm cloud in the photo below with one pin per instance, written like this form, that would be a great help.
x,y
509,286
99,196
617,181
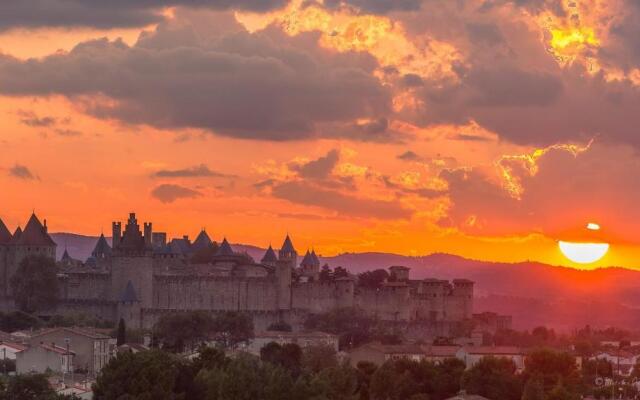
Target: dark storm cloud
x,y
258,86
622,48
306,194
320,168
22,172
536,108
512,87
168,193
484,34
108,14
198,171
378,6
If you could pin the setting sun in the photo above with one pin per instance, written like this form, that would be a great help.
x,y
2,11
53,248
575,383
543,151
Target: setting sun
x,y
583,253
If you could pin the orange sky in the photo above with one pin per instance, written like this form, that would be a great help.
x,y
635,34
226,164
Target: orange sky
x,y
499,173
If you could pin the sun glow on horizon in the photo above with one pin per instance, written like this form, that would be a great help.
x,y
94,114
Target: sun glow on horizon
x,y
583,253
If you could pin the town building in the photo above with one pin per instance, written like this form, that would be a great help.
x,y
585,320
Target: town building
x,y
91,349
45,357
302,339
378,353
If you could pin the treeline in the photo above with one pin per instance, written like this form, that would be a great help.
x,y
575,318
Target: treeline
x,y
19,320
281,372
353,327
289,372
585,341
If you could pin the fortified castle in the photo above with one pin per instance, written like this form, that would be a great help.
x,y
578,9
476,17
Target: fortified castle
x,y
141,276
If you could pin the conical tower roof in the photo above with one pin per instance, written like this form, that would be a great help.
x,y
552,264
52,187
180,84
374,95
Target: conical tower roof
x,y
269,256
65,256
202,241
35,234
129,294
16,235
5,235
315,257
102,248
225,249
287,246
308,259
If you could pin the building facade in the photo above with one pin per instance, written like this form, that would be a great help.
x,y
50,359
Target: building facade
x,y
142,276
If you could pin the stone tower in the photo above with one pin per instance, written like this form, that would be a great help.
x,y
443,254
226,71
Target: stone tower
x,y
288,253
288,257
132,261
129,307
33,240
310,265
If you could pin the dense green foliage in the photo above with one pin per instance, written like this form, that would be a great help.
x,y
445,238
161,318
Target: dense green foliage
x,y
35,284
316,373
493,378
182,331
353,327
29,387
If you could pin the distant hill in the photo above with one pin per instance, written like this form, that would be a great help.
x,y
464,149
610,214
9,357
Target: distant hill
x,y
534,293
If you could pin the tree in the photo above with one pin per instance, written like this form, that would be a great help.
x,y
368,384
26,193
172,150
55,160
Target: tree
x,y
180,330
351,324
246,378
340,272
448,375
288,356
122,333
552,367
560,392
18,320
145,375
336,383
232,328
30,387
315,358
372,279
493,378
35,284
533,389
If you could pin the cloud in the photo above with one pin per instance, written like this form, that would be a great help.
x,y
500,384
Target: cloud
x,y
264,85
409,156
378,6
560,190
347,205
168,193
320,168
68,132
109,14
197,171
30,118
22,172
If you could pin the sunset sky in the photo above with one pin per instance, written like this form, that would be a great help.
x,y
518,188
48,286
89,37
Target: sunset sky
x,y
485,128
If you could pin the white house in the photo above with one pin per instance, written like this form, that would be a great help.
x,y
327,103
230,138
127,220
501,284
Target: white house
x,y
8,350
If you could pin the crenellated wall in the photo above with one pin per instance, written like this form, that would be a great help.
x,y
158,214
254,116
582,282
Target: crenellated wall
x,y
89,285
318,296
192,292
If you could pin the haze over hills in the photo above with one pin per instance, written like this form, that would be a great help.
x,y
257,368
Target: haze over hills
x,y
533,293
